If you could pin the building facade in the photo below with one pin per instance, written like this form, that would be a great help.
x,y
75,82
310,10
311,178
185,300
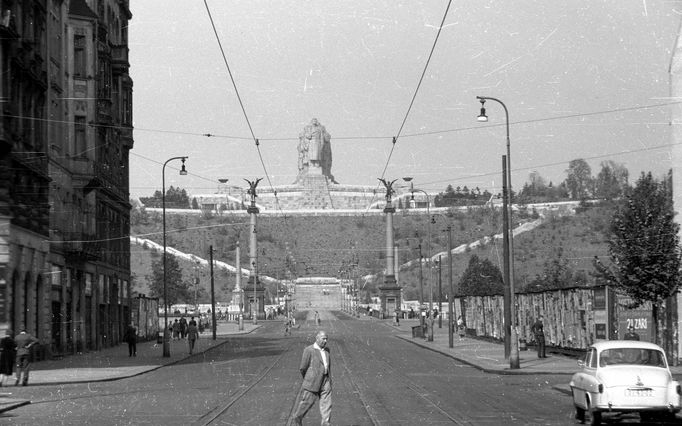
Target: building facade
x,y
65,137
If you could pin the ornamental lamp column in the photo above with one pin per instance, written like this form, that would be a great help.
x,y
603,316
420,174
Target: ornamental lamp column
x,y
252,210
390,292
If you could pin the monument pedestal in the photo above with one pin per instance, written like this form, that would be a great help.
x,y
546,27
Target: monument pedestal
x,y
249,295
390,296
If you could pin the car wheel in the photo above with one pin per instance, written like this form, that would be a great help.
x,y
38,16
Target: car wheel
x,y
580,414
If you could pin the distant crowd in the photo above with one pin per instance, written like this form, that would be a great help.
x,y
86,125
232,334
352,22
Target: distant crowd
x,y
179,329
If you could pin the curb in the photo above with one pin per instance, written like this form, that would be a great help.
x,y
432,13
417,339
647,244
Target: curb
x,y
504,372
148,370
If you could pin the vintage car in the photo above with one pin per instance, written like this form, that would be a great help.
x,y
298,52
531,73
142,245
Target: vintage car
x,y
625,376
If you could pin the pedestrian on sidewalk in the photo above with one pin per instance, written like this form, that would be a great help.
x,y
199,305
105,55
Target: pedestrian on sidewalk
x,y
316,370
461,330
287,326
176,330
317,318
183,327
24,342
192,335
538,330
7,356
130,337
631,334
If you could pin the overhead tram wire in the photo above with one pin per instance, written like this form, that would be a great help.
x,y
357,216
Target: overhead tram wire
x,y
363,138
241,104
414,96
558,163
449,180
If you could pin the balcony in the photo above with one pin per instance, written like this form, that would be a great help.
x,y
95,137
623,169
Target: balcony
x,y
126,133
119,59
79,246
34,161
82,168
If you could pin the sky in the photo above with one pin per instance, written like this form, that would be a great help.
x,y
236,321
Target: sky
x,y
580,79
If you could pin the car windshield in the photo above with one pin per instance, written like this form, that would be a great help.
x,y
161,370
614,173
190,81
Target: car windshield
x,y
631,356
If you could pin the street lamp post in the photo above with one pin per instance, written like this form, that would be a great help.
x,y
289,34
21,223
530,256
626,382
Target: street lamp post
x,y
183,172
511,321
428,249
428,230
428,252
224,181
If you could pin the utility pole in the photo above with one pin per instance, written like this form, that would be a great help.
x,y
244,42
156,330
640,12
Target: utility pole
x,y
210,250
505,265
440,295
421,289
451,292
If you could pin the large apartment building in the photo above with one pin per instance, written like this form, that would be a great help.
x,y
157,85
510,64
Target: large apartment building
x,y
65,136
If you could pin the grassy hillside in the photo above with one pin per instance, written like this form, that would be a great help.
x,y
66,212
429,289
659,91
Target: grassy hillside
x,y
325,245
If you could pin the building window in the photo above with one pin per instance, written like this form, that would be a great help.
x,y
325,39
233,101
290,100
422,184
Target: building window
x,y
79,65
80,144
127,107
55,36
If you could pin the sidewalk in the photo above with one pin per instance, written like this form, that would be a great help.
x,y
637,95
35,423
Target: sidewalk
x,y
114,363
488,356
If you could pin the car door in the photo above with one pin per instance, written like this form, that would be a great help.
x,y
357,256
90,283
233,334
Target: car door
x,y
583,381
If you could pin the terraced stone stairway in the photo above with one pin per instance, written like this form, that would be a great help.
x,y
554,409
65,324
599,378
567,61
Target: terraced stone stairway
x,y
318,296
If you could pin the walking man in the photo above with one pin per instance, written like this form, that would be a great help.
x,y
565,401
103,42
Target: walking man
x,y
24,342
192,335
131,338
317,380
539,333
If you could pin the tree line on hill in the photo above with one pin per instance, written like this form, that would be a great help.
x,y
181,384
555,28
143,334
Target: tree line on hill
x,y
176,198
610,183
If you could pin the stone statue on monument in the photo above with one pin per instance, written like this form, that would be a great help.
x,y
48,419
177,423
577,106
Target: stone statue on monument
x,y
314,151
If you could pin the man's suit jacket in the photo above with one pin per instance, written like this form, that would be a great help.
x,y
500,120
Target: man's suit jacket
x,y
312,368
24,342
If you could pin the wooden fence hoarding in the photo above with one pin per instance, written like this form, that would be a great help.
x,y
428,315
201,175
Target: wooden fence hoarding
x,y
573,318
145,316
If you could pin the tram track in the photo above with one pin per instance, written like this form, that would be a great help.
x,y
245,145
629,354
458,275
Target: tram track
x,y
395,375
212,415
378,380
